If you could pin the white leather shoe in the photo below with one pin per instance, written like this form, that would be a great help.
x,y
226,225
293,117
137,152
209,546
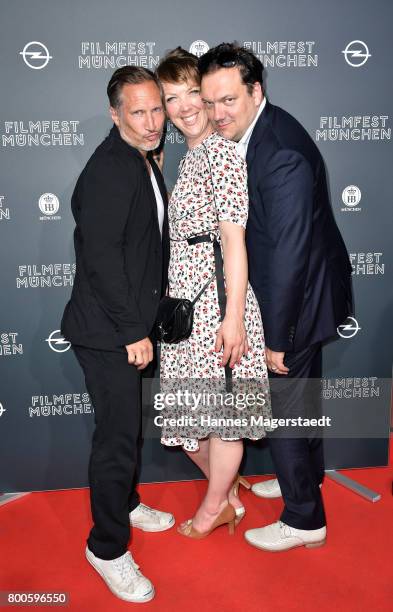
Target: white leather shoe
x,y
123,577
280,536
268,488
149,519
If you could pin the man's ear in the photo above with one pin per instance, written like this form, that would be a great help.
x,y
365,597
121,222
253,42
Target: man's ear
x,y
115,115
257,94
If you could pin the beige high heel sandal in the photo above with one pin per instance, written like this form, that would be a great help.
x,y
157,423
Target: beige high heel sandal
x,y
227,516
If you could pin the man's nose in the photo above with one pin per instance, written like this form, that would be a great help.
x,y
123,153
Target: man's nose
x,y
218,112
150,122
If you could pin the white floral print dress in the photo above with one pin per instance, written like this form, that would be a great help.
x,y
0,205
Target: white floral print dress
x,y
194,209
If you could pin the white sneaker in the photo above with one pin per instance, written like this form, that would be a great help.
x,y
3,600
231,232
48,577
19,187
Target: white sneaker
x,y
123,577
149,519
280,536
268,488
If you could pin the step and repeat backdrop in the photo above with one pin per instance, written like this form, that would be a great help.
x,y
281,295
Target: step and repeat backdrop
x,y
328,64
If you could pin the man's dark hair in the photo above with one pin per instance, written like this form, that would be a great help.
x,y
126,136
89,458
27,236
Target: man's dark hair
x,y
132,75
228,55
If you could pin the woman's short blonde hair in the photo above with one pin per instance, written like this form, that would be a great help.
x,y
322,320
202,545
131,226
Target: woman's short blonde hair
x,y
178,66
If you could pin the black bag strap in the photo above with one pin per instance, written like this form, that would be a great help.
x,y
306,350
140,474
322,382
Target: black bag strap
x,y
218,261
219,266
196,298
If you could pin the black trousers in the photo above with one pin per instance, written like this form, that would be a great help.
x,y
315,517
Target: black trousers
x,y
297,456
115,389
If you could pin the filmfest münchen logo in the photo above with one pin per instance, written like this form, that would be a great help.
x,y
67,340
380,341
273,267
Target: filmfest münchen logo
x,y
9,344
284,53
35,55
62,404
350,388
355,128
349,328
45,275
356,53
46,133
2,410
57,342
199,47
367,264
116,54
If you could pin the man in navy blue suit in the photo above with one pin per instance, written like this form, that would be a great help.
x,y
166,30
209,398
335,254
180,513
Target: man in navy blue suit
x,y
300,272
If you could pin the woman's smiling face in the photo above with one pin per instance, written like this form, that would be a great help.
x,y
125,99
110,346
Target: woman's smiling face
x,y
186,110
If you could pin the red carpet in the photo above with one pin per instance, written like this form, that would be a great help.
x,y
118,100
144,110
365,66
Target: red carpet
x,y
42,549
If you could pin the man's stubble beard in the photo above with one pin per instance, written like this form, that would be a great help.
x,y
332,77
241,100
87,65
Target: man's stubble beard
x,y
150,147
232,137
140,147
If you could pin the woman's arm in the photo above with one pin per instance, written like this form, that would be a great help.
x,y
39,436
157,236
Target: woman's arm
x,y
232,333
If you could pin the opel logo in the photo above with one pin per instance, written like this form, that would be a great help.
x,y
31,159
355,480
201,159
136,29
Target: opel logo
x,y
57,343
349,328
356,53
35,55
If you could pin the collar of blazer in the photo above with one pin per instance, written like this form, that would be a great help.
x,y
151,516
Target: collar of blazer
x,y
257,133
129,149
114,134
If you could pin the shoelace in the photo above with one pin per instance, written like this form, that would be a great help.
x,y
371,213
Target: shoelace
x,y
147,509
285,530
152,513
127,568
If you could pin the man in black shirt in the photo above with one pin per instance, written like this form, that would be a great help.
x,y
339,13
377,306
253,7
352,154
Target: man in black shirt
x,y
122,251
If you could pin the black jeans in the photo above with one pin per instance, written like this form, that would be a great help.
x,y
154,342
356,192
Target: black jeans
x,y
298,459
115,390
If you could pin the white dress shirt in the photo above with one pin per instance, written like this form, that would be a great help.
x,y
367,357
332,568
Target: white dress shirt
x,y
242,145
159,200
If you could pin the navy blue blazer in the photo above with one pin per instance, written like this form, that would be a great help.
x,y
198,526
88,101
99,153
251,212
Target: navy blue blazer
x,y
298,264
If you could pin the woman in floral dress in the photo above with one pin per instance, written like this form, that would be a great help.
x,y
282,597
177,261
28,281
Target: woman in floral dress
x,y
210,197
